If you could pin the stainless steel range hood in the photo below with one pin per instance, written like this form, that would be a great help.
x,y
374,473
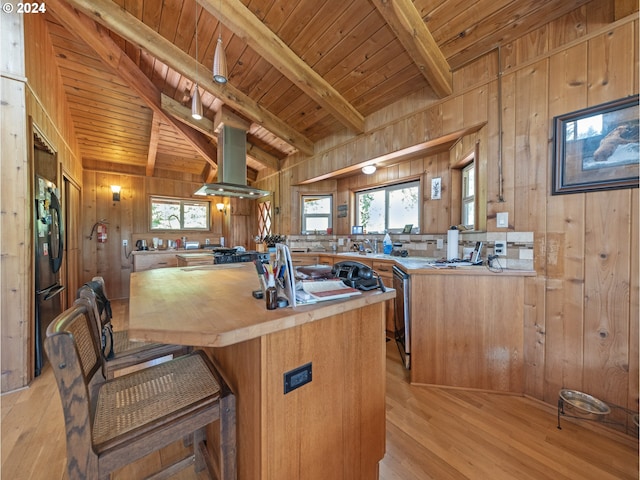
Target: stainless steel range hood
x,y
232,167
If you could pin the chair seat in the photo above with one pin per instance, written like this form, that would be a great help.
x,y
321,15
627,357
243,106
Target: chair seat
x,y
123,345
151,398
121,342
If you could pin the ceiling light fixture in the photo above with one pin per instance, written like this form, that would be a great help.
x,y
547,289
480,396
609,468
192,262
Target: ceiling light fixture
x,y
220,59
196,101
369,169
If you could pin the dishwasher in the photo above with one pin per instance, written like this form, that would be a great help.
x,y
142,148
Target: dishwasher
x,y
402,317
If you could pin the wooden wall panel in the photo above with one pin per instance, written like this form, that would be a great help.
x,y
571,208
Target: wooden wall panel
x,y
577,61
606,294
16,283
31,92
634,306
128,219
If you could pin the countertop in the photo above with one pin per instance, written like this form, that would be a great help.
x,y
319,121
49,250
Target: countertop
x,y
176,251
212,306
419,265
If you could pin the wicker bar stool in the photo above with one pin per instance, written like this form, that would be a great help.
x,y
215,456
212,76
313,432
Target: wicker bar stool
x,y
118,350
111,423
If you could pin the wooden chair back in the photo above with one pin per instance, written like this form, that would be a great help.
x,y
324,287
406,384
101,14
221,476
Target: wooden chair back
x,y
110,423
73,351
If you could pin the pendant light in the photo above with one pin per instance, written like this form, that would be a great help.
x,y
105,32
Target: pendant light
x,y
220,63
196,101
220,59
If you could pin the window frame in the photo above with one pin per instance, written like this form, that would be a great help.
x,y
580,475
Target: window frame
x,y
466,199
303,216
182,201
387,188
476,155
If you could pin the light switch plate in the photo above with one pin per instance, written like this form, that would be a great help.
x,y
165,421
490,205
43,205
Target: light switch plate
x,y
439,243
502,219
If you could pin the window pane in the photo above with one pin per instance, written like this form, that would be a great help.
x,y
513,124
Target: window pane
x,y
316,223
176,214
371,210
468,214
165,215
468,192
317,205
195,216
403,207
316,213
389,208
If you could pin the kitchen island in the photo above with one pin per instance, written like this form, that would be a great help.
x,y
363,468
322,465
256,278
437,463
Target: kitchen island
x,y
333,426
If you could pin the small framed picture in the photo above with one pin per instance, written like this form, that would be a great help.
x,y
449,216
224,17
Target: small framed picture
x,y
436,188
407,228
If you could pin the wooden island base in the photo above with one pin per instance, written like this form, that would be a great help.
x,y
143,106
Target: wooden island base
x,y
332,427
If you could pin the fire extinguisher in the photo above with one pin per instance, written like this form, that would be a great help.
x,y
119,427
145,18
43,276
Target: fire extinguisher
x,y
102,233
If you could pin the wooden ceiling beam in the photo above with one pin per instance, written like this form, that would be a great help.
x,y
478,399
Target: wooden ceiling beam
x,y
110,53
154,137
207,127
118,20
408,26
235,16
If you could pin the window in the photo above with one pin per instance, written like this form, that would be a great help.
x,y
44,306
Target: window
x,y
264,218
468,196
177,214
388,208
316,213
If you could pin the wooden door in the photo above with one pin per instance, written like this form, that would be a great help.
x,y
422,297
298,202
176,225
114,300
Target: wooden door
x,y
73,240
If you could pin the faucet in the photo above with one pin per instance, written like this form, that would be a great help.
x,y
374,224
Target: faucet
x,y
374,245
171,217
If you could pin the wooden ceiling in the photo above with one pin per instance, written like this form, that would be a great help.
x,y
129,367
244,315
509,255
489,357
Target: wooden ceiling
x,y
298,71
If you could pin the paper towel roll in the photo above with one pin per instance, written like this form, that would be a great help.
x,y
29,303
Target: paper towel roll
x,y
452,244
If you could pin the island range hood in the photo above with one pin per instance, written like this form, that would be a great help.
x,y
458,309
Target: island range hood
x,y
232,167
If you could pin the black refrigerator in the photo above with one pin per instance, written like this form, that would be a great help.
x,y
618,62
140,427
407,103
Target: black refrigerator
x,y
49,235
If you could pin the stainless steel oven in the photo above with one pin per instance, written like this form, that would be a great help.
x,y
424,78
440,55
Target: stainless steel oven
x,y
402,317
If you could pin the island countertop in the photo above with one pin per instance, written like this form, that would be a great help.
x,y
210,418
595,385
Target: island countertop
x,y
213,306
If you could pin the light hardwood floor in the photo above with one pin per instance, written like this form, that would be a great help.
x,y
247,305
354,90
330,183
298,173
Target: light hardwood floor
x,y
432,433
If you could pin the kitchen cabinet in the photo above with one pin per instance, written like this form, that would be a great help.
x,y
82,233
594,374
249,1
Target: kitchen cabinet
x,y
299,259
463,334
194,259
385,270
326,260
150,260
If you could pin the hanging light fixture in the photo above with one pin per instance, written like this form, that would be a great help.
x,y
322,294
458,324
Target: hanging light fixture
x,y
220,59
196,101
220,63
196,104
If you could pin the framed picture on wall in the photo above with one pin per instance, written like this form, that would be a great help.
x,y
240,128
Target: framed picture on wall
x,y
597,148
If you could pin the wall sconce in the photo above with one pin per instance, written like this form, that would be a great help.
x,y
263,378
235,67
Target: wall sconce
x,y
116,192
221,209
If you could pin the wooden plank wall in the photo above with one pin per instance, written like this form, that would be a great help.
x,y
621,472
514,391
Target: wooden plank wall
x,y
581,311
128,219
32,92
